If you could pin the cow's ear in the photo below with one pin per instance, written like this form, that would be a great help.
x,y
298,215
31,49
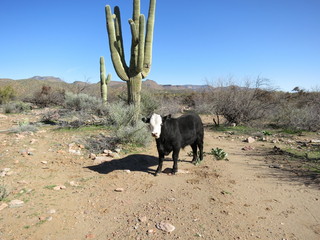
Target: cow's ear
x,y
166,117
146,120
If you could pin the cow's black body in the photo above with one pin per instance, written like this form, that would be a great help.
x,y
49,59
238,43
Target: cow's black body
x,y
177,133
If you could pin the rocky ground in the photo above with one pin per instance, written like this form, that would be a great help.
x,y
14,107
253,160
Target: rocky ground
x,y
57,192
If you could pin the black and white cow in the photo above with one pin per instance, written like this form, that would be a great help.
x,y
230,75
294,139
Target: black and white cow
x,y
172,134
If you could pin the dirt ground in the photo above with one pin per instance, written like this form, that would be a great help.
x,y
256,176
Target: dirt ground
x,y
66,196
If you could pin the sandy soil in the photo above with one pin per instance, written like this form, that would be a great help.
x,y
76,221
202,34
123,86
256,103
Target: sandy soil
x,y
243,198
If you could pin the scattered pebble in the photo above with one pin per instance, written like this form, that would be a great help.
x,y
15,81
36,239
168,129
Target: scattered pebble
x,y
250,140
143,219
165,226
74,184
119,190
52,211
3,206
59,187
16,203
247,148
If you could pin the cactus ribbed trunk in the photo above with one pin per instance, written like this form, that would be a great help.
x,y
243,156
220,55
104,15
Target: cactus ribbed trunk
x,y
141,48
104,81
134,89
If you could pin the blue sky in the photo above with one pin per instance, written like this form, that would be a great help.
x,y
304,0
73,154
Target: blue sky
x,y
194,41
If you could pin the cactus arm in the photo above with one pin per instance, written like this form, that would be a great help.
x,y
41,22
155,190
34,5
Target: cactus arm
x,y
135,38
118,31
103,82
149,39
118,62
141,43
136,11
102,70
108,79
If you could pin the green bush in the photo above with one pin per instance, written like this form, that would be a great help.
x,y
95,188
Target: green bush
x,y
3,192
84,103
24,126
48,96
6,94
16,107
124,128
149,104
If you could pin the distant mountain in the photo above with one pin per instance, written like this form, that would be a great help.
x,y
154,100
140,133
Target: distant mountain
x,y
28,87
49,79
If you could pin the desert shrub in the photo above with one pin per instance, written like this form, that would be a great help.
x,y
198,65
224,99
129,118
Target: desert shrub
x,y
16,107
84,103
120,118
6,94
3,192
149,103
24,126
101,142
47,96
299,111
240,104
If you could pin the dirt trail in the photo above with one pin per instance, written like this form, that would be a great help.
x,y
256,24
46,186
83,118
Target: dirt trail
x,y
242,198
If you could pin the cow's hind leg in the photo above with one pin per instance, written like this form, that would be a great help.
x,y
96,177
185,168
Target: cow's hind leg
x,y
175,156
200,146
194,152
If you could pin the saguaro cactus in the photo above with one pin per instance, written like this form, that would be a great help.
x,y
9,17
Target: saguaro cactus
x,y
141,47
104,81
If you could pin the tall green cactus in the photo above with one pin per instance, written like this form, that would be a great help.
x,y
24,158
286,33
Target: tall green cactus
x,y
141,47
104,81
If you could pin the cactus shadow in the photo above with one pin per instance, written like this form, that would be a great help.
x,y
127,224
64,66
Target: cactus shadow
x,y
135,162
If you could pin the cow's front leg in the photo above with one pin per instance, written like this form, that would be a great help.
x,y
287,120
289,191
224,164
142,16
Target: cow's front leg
x,y
159,169
175,156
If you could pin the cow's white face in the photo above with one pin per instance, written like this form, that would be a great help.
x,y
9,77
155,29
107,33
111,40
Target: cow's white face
x,y
155,125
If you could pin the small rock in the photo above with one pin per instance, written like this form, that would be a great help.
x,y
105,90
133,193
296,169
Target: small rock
x,y
143,219
52,211
3,206
165,226
92,156
74,184
250,140
101,159
75,152
16,203
59,187
90,236
108,152
247,148
6,172
127,171
150,231
82,146
117,150
22,182
9,173
44,162
119,190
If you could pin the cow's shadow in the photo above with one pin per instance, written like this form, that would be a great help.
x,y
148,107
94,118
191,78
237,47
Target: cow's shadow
x,y
135,162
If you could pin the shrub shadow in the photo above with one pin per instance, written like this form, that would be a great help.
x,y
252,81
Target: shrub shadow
x,y
135,162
